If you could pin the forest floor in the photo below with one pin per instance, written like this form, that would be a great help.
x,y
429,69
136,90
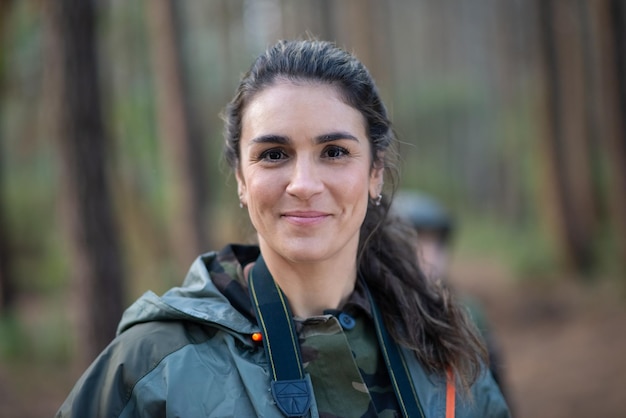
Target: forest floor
x,y
563,343
563,346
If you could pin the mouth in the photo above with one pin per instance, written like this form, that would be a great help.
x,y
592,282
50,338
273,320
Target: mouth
x,y
305,217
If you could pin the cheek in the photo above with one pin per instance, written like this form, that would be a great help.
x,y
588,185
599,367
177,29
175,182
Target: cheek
x,y
261,188
356,189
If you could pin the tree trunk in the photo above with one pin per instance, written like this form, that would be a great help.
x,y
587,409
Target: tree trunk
x,y
7,287
610,23
565,144
88,213
573,74
182,148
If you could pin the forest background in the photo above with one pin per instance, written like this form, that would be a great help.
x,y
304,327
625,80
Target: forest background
x,y
512,113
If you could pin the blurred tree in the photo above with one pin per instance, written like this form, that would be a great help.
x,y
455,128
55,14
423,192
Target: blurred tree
x,y
609,18
316,17
7,288
580,43
182,145
82,144
566,142
373,47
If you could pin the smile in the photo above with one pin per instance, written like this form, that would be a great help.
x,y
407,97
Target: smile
x,y
305,218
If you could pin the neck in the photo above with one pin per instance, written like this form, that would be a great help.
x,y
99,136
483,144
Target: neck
x,y
314,287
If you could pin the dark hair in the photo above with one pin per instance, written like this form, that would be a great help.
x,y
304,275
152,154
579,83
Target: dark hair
x,y
420,315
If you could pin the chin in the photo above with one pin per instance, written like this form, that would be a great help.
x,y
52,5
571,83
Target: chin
x,y
305,253
305,256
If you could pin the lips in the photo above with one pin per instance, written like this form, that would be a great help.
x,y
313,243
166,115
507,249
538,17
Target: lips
x,y
305,217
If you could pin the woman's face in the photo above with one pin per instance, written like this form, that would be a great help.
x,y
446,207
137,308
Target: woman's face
x,y
305,172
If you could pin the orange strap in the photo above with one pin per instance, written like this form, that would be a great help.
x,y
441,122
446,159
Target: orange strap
x,y
450,394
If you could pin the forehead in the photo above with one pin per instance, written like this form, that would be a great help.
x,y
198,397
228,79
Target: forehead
x,y
288,103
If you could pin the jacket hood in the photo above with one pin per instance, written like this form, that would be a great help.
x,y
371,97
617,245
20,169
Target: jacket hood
x,y
198,299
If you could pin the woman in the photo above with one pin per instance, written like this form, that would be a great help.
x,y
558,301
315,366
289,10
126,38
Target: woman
x,y
329,315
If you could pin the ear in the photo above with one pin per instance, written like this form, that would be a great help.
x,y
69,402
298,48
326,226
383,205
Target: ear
x,y
377,178
241,188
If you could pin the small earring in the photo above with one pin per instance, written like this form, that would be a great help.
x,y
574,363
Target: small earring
x,y
378,200
240,205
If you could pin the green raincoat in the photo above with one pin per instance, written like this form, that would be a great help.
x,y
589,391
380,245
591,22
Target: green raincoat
x,y
189,353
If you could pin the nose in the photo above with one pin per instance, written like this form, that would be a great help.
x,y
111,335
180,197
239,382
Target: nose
x,y
306,180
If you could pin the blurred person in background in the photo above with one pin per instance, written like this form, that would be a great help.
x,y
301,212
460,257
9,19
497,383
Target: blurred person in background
x,y
329,315
435,228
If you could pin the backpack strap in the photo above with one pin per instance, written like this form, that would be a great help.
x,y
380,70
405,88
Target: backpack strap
x,y
290,387
396,366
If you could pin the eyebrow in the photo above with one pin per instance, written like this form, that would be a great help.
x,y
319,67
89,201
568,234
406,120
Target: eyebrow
x,y
335,136
321,139
270,139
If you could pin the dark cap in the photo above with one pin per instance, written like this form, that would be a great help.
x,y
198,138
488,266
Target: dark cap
x,y
423,212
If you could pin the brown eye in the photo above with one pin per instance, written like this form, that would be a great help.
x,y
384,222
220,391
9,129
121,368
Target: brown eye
x,y
335,152
273,154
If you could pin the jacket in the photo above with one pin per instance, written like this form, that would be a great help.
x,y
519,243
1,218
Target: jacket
x,y
189,353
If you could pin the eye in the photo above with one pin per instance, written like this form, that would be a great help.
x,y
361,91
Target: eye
x,y
273,154
335,152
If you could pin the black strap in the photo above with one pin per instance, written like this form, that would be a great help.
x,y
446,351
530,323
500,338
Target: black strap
x,y
290,388
396,366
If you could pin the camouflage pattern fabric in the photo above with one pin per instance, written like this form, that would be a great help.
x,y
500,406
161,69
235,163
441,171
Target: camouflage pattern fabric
x,y
346,368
